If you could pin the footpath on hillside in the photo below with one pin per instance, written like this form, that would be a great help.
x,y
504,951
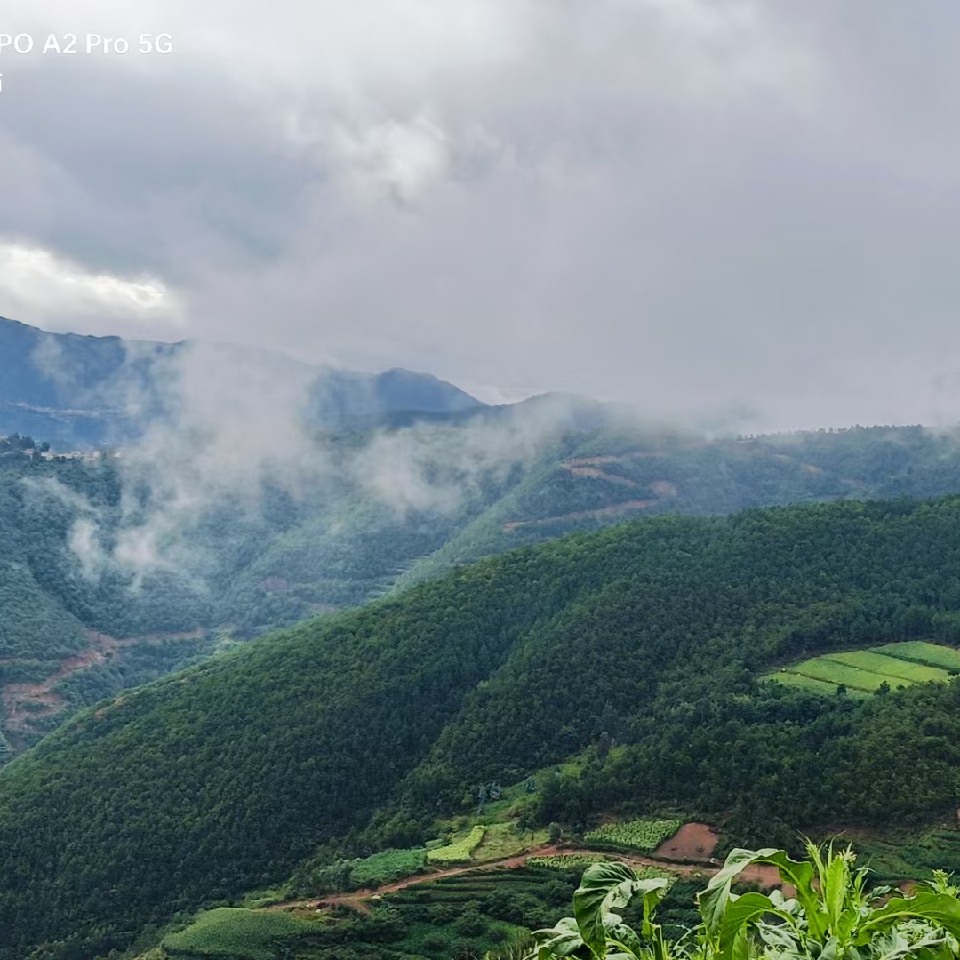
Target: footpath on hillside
x,y
765,876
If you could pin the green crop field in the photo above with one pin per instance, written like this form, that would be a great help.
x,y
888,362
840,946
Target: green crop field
x,y
888,666
387,865
459,850
634,834
833,672
862,672
814,686
571,862
918,651
234,934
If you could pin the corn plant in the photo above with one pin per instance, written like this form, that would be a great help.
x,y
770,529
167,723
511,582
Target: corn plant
x,y
834,915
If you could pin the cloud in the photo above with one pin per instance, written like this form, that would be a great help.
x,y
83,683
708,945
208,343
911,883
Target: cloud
x,y
438,467
84,540
53,289
730,208
401,159
235,432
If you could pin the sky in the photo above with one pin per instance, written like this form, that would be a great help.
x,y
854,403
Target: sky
x,y
720,211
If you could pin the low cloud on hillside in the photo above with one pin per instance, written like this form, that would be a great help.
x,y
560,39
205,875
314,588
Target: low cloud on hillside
x,y
735,209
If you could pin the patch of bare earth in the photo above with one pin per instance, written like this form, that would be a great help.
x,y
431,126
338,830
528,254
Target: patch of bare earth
x,y
693,841
765,877
595,473
613,510
24,702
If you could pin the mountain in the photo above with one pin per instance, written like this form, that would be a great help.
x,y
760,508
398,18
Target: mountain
x,y
80,391
362,728
117,571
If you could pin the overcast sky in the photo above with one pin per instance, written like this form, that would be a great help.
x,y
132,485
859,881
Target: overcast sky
x,y
715,209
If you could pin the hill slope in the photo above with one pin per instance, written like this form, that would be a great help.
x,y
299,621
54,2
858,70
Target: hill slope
x,y
117,572
80,391
222,778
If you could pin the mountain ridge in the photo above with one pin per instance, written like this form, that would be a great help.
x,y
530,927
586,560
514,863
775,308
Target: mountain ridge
x,y
78,390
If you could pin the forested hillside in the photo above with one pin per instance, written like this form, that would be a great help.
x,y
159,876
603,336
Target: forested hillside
x,y
116,571
365,726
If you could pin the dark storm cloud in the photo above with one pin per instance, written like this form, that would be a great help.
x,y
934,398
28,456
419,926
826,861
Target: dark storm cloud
x,y
730,211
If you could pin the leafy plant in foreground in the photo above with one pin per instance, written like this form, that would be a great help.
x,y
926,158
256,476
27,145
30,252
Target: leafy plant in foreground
x,y
833,916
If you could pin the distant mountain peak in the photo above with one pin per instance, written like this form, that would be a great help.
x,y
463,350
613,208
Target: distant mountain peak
x,y
62,387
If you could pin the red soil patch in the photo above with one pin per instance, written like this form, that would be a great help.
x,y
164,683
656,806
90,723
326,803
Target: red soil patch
x,y
595,473
623,458
22,702
766,877
763,876
617,508
693,841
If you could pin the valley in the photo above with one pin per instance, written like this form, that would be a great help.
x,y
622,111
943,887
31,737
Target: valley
x,y
262,555
300,687
606,679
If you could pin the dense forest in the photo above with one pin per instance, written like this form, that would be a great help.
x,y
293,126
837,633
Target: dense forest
x,y
108,582
639,648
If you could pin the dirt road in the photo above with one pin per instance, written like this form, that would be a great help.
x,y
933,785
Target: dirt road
x,y
765,876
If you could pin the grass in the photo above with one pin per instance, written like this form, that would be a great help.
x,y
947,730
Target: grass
x,y
435,941
235,934
515,799
889,666
863,672
814,686
502,840
918,651
834,672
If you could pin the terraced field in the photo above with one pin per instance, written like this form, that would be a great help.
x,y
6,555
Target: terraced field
x,y
916,651
862,672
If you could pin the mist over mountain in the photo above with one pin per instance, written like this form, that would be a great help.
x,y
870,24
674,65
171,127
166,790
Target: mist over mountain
x,y
367,516
81,391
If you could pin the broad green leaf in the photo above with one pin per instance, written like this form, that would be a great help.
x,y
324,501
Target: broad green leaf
x,y
740,948
782,940
740,914
651,898
626,940
714,900
939,908
606,887
561,940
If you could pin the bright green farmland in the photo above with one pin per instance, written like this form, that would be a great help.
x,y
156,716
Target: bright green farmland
x,y
814,686
573,861
862,672
833,672
917,651
634,834
459,850
387,865
233,934
888,666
